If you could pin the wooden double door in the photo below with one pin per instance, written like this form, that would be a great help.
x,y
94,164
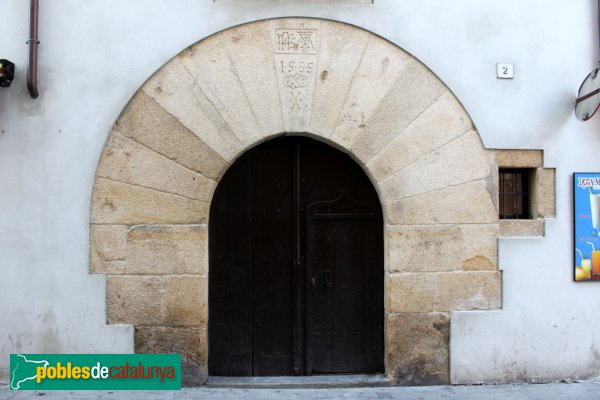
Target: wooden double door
x,y
296,264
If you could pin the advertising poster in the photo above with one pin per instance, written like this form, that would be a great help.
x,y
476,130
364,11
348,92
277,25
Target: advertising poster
x,y
586,205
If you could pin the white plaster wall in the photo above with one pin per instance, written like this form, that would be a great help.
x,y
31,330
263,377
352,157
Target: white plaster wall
x,y
96,53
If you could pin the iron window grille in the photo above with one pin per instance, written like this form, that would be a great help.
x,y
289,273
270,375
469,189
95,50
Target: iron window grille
x,y
514,193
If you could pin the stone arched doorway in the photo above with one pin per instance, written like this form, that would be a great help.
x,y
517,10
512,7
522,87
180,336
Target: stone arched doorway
x,y
296,264
348,87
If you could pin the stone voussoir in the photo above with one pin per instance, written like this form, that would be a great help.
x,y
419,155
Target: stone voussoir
x,y
414,91
251,52
210,64
127,161
174,88
442,122
381,64
339,59
461,204
460,161
445,120
147,123
296,68
120,203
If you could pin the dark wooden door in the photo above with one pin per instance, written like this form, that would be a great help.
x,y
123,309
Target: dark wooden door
x,y
295,254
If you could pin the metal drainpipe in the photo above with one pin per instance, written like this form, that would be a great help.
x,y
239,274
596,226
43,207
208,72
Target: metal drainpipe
x,y
33,42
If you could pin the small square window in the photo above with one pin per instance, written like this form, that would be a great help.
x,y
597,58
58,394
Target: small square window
x,y
514,193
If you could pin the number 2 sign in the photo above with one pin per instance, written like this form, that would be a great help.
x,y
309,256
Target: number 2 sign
x,y
504,71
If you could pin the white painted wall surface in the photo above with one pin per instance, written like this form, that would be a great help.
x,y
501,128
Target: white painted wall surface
x,y
95,54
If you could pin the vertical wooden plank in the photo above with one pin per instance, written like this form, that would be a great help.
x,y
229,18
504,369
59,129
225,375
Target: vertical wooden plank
x,y
299,364
272,258
230,283
321,259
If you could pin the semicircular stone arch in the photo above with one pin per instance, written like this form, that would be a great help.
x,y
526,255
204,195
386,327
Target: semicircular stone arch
x,y
334,82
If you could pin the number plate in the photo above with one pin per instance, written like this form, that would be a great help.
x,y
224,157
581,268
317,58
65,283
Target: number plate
x,y
505,71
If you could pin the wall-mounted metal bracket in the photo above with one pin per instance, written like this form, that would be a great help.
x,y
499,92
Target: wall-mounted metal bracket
x,y
7,72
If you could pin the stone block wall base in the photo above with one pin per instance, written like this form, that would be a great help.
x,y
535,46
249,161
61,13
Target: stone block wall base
x,y
417,349
190,342
193,375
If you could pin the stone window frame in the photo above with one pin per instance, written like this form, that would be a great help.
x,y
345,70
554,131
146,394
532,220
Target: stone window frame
x,y
542,192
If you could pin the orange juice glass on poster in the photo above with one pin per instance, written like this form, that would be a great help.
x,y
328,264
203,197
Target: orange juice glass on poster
x,y
596,262
585,270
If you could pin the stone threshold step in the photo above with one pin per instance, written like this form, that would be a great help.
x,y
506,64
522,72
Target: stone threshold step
x,y
295,382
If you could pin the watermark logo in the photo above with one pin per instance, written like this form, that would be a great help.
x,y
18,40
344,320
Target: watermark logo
x,y
95,371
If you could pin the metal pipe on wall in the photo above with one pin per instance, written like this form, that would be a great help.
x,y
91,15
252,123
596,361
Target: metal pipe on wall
x,y
33,42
